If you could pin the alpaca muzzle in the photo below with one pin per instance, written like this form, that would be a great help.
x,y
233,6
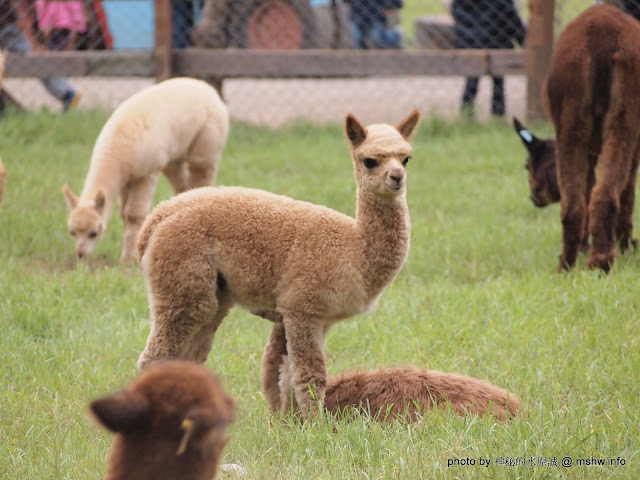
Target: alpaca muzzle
x,y
394,180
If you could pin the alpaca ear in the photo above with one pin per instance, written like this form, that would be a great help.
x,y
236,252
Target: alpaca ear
x,y
122,412
407,127
200,421
356,133
100,201
70,197
530,141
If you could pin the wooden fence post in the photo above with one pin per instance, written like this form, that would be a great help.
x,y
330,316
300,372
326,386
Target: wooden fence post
x,y
162,51
539,48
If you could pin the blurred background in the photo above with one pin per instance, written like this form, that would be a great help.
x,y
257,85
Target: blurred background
x,y
279,61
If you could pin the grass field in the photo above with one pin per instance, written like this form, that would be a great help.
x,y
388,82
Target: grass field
x,y
479,295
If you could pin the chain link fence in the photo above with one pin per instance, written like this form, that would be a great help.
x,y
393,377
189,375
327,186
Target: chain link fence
x,y
395,27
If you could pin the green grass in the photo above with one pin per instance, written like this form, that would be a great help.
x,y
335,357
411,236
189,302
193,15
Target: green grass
x,y
479,295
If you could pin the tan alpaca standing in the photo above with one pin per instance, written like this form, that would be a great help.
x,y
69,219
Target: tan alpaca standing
x,y
291,261
169,423
178,127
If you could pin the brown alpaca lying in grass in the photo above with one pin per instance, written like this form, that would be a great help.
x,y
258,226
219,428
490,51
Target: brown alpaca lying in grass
x,y
389,393
169,423
592,95
306,265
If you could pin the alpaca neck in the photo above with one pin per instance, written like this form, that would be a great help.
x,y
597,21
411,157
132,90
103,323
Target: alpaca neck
x,y
101,176
385,230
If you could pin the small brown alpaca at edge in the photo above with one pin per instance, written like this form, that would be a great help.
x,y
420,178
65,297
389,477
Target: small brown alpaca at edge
x,y
392,393
3,172
169,423
592,96
303,264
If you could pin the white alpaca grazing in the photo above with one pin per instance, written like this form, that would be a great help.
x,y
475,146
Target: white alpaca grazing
x,y
178,127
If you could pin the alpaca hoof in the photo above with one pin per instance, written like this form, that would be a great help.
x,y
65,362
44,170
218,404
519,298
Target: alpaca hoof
x,y
628,242
603,261
563,265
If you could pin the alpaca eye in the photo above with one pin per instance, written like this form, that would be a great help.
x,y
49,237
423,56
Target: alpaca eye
x,y
370,163
72,233
93,234
405,161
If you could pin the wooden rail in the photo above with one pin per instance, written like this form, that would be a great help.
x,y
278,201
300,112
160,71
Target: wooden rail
x,y
234,63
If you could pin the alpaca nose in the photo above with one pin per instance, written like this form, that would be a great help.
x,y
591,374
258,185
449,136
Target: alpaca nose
x,y
396,175
80,253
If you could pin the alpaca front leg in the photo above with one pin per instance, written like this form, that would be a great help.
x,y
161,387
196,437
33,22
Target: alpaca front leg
x,y
308,371
136,202
272,362
132,226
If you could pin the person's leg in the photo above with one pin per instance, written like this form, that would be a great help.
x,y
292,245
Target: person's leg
x,y
180,23
498,102
469,95
383,38
60,88
358,39
13,40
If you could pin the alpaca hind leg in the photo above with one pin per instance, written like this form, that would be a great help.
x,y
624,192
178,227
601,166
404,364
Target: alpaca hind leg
x,y
272,363
624,224
136,203
203,339
605,199
573,170
591,181
204,156
177,174
308,371
181,303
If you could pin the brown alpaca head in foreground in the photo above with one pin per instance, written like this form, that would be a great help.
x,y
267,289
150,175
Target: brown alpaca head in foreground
x,y
592,96
390,393
541,165
169,423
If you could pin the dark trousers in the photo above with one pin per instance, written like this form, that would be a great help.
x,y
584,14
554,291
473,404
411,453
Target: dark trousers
x,y
497,99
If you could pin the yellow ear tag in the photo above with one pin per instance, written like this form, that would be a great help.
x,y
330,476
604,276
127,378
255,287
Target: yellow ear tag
x,y
187,426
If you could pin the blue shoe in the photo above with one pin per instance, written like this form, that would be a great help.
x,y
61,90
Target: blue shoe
x,y
70,100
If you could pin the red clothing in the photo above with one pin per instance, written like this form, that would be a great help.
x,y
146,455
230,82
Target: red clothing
x,y
61,14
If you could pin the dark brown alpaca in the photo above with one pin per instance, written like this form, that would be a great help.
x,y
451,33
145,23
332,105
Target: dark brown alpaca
x,y
591,96
169,423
